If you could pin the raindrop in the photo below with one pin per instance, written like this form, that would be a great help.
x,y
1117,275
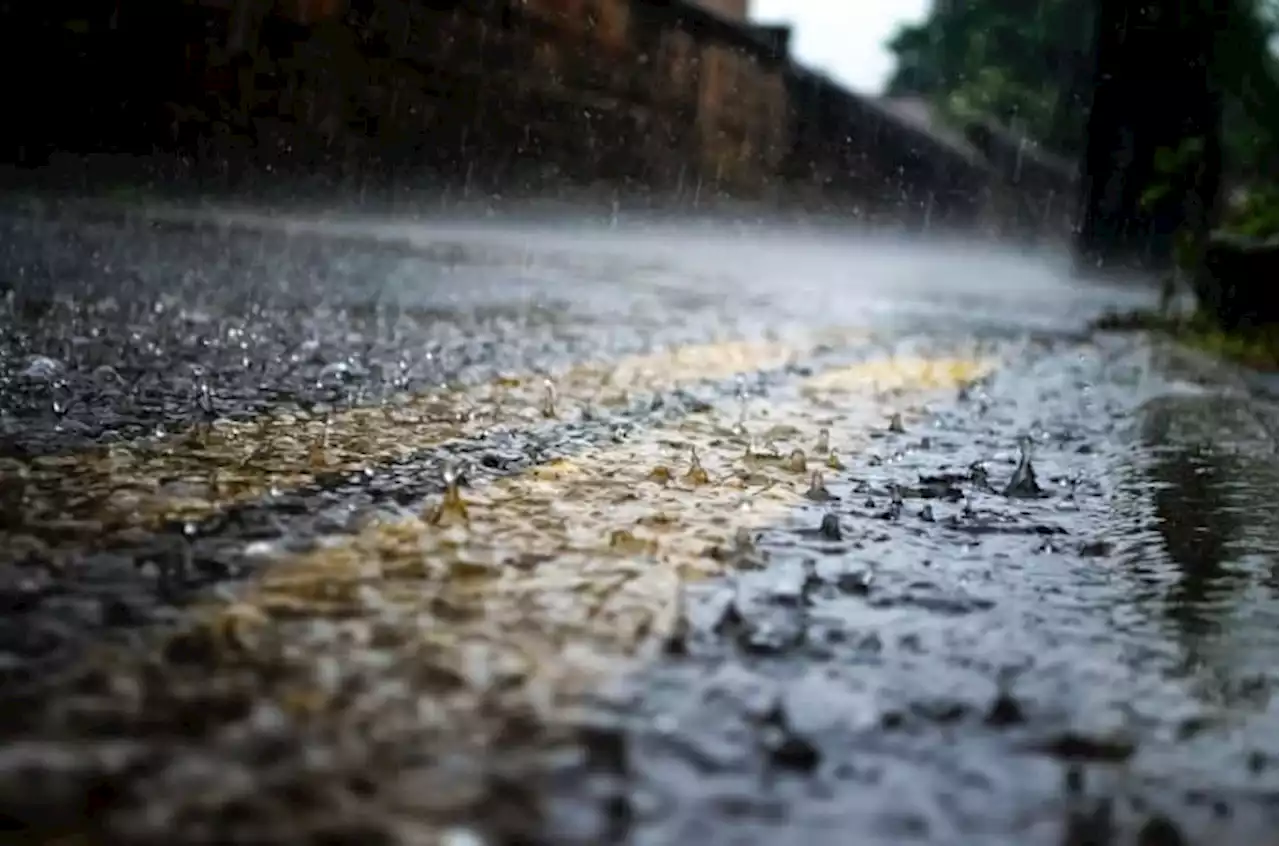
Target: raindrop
x,y
452,508
660,474
107,373
334,371
41,368
548,399
628,543
817,490
449,474
697,475
895,503
204,402
1023,482
317,455
740,392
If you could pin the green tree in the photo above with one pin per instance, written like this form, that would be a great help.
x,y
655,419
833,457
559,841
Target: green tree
x,y
1031,64
1023,63
1170,106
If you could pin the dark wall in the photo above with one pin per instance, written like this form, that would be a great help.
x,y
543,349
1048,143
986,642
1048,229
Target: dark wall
x,y
649,96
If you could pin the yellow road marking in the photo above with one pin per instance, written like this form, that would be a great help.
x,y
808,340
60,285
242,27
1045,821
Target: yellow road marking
x,y
554,579
136,486
891,375
459,636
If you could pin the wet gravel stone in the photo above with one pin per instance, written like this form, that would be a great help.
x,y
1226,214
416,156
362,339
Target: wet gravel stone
x,y
116,328
953,641
979,604
117,593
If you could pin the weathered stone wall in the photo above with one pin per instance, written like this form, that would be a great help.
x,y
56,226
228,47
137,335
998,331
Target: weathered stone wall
x,y
490,93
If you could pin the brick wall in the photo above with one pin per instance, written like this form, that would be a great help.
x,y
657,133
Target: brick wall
x,y
577,89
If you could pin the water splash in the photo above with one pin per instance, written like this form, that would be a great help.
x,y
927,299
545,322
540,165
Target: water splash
x,y
896,503
824,441
895,424
627,543
697,474
204,402
549,397
740,392
1023,484
797,462
205,414
452,509
978,476
41,368
817,489
317,455
660,474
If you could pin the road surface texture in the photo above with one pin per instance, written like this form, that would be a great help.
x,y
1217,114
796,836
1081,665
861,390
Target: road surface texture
x,y
378,531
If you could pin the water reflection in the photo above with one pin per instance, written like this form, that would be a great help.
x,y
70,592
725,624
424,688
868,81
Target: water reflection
x,y
1206,468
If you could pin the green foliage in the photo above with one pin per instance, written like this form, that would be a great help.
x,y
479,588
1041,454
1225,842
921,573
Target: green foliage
x,y
1172,166
1257,348
1015,61
1028,63
1254,212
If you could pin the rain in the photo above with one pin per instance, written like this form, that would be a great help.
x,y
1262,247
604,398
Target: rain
x,y
483,423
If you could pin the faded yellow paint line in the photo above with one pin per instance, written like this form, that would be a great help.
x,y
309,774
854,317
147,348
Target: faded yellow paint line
x,y
894,375
134,486
529,591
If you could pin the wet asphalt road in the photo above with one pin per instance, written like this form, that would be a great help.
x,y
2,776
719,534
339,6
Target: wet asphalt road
x,y
748,554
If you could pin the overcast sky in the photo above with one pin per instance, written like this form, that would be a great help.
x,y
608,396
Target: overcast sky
x,y
843,38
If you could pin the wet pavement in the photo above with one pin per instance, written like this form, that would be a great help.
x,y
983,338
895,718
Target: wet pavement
x,y
368,530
